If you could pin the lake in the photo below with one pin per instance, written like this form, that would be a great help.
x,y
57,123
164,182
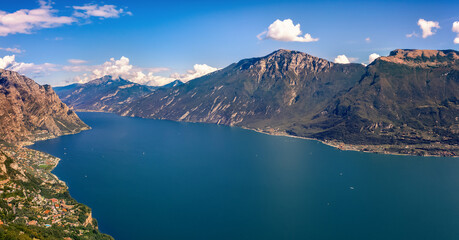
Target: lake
x,y
156,179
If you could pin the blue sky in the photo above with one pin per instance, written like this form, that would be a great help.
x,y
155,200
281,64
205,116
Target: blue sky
x,y
184,39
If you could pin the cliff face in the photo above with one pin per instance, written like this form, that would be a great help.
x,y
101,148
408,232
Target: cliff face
x,y
29,111
423,58
257,92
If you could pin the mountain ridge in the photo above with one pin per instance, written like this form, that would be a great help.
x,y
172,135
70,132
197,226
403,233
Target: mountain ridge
x,y
256,83
105,94
395,102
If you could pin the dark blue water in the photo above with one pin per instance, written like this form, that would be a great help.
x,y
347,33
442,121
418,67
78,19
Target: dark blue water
x,y
152,179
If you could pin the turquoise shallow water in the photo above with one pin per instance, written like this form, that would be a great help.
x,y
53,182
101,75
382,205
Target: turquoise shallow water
x,y
154,179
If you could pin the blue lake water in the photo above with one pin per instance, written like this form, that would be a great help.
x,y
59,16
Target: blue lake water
x,y
154,179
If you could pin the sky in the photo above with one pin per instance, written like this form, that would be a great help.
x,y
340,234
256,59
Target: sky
x,y
153,43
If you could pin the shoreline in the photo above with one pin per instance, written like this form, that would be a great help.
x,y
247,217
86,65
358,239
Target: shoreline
x,y
376,149
345,147
54,208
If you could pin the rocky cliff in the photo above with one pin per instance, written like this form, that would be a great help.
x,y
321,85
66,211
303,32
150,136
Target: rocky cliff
x,y
34,203
29,111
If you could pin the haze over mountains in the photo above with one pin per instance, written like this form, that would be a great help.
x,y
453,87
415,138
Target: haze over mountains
x,y
408,98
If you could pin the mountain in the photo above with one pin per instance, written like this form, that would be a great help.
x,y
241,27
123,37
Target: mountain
x,y
409,97
106,94
102,94
404,103
29,111
270,91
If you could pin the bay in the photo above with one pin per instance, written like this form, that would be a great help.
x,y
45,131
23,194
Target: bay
x,y
157,179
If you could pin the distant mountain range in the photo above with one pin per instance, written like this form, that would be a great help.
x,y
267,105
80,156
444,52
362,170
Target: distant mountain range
x,y
404,103
29,111
106,94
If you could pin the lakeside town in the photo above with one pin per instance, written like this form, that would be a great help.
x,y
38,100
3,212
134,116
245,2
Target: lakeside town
x,y
32,197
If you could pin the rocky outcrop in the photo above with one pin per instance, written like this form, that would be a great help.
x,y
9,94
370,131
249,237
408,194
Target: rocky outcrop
x,y
29,111
423,58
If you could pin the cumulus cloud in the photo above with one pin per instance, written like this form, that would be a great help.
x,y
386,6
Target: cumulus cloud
x,y
94,10
342,59
30,69
147,76
13,50
76,61
286,31
428,27
116,68
373,57
456,30
199,70
27,20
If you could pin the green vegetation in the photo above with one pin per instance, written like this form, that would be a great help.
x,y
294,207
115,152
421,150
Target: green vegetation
x,y
34,204
18,231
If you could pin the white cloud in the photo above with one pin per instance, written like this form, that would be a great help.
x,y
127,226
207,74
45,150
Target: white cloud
x,y
373,57
13,50
147,76
25,20
94,10
76,61
413,34
342,59
456,30
367,39
428,27
30,69
199,70
115,68
286,31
